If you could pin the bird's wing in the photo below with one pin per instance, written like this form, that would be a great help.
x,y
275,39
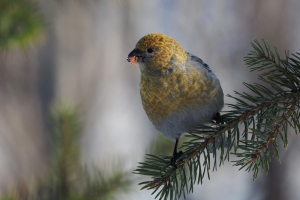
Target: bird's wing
x,y
194,58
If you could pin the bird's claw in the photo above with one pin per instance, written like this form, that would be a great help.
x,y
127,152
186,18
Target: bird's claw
x,y
218,118
174,158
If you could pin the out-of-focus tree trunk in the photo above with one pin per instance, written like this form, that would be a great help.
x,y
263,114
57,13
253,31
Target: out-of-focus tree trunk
x,y
22,141
273,26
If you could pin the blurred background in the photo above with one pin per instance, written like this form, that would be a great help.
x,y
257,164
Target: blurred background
x,y
70,104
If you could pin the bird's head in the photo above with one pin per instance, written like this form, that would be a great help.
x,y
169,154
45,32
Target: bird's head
x,y
157,54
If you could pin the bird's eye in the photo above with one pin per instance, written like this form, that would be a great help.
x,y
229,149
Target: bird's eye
x,y
149,50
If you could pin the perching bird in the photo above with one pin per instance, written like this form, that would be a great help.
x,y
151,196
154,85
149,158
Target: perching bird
x,y
178,90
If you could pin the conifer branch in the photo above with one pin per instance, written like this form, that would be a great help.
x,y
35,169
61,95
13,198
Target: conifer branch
x,y
272,135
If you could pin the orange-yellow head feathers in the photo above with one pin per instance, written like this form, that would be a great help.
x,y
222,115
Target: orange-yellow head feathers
x,y
156,53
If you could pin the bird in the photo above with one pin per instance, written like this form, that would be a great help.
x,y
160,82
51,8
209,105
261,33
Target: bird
x,y
179,91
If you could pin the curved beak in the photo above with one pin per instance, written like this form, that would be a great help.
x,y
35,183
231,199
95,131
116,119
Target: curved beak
x,y
134,53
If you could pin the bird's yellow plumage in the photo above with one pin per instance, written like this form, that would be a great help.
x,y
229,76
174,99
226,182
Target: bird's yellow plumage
x,y
165,48
164,95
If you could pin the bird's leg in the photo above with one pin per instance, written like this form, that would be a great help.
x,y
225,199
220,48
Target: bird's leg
x,y
175,154
217,117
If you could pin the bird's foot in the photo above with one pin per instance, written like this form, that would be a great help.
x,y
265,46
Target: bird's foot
x,y
218,118
174,158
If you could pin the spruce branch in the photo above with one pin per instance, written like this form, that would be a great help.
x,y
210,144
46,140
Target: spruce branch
x,y
254,124
21,25
272,135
